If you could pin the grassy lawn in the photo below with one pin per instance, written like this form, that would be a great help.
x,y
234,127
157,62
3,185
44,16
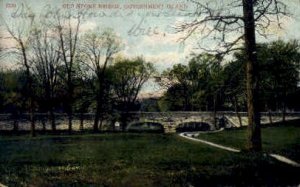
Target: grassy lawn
x,y
133,160
284,140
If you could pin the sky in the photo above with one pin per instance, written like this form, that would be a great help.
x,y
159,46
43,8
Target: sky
x,y
146,27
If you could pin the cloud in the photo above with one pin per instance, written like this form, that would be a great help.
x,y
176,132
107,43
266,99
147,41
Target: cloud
x,y
162,51
86,26
6,41
161,39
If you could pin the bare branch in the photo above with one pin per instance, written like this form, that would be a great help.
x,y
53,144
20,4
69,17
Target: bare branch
x,y
220,20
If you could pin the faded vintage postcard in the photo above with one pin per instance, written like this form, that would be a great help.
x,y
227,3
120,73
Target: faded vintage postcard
x,y
149,93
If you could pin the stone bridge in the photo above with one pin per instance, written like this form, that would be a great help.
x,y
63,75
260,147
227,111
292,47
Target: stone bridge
x,y
170,120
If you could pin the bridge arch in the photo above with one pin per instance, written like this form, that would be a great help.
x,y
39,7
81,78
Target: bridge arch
x,y
193,126
145,126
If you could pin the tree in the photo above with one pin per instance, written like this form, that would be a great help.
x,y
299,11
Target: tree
x,y
279,68
98,50
178,93
280,72
234,86
196,86
46,62
176,98
12,89
67,28
84,95
2,89
238,19
22,36
127,78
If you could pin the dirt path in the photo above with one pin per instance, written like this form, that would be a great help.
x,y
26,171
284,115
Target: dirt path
x,y
2,185
190,136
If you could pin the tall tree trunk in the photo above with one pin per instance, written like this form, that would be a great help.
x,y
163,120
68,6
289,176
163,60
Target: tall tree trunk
x,y
254,132
113,125
186,99
237,111
81,121
52,119
101,123
70,119
70,102
124,118
97,116
15,117
44,124
270,117
99,98
283,111
31,102
284,106
215,113
16,125
29,89
32,121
